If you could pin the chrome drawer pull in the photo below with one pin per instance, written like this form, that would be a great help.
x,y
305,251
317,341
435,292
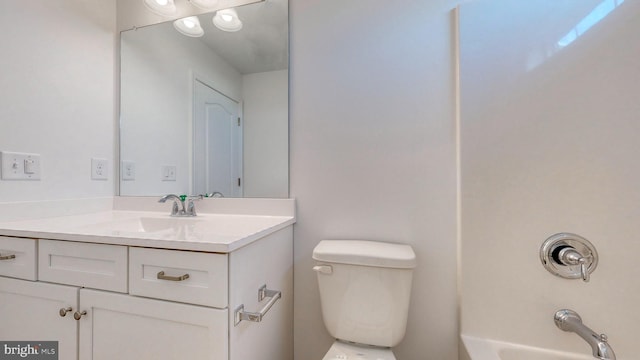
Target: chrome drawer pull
x,y
263,293
63,312
7,257
162,276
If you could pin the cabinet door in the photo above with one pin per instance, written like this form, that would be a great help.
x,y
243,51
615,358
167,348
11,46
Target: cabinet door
x,y
249,269
126,327
30,311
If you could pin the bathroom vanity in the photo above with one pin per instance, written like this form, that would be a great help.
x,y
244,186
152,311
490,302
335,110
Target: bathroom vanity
x,y
144,285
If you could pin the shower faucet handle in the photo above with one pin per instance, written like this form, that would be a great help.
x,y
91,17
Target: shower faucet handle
x,y
585,274
570,256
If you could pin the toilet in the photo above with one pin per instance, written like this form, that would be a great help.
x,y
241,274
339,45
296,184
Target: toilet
x,y
365,287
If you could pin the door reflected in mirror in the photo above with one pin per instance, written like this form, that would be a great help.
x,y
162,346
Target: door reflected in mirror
x,y
206,114
217,143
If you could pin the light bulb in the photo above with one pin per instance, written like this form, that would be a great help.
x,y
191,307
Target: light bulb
x,y
161,7
189,26
205,4
227,20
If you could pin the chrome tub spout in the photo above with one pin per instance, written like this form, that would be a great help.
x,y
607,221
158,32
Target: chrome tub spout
x,y
569,320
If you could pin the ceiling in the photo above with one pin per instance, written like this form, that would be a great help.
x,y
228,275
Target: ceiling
x,y
262,43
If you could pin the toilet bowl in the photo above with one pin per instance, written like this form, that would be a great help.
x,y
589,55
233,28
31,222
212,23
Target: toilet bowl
x,y
344,351
365,287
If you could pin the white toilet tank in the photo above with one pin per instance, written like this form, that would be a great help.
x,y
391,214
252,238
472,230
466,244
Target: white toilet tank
x,y
365,288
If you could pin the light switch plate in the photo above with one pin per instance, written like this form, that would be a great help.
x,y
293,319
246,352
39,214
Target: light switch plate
x,y
20,166
168,173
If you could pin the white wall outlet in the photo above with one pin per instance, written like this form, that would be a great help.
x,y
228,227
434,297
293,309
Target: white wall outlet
x,y
99,169
128,170
20,166
168,173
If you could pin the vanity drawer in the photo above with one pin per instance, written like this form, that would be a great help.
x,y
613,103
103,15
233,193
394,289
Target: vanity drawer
x,y
184,276
18,258
97,266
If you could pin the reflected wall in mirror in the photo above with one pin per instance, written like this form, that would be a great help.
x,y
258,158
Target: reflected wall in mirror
x,y
207,114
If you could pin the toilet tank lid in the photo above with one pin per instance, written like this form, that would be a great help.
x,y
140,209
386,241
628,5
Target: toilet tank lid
x,y
366,253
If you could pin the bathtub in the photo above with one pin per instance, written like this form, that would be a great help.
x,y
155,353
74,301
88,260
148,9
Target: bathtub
x,y
485,349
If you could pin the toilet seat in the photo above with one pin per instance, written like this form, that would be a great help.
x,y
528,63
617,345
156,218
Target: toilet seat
x,y
344,351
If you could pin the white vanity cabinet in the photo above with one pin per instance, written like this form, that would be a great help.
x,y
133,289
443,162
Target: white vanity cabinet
x,y
128,327
128,302
30,311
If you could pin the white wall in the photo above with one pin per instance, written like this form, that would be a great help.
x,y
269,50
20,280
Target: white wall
x,y
266,130
158,65
57,94
549,144
373,153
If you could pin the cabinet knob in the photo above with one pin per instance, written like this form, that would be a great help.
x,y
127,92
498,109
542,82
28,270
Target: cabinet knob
x,y
77,315
63,312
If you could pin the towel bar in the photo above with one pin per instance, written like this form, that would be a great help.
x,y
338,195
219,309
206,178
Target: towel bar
x,y
263,293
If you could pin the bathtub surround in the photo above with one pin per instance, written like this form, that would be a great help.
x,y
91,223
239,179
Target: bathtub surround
x,y
547,149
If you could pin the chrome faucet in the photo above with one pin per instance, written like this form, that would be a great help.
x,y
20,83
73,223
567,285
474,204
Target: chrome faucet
x,y
569,320
181,211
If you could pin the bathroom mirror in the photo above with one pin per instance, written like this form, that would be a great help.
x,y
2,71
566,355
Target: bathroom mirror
x,y
206,114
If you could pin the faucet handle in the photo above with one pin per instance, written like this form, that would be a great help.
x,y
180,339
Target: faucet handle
x,y
175,209
570,256
191,207
583,270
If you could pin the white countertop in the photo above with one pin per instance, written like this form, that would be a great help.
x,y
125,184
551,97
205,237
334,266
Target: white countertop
x,y
221,233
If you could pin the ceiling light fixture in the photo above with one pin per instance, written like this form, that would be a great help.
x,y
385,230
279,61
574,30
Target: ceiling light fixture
x,y
161,7
204,4
189,26
227,20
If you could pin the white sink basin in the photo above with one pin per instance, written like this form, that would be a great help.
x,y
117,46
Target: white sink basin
x,y
146,225
181,227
